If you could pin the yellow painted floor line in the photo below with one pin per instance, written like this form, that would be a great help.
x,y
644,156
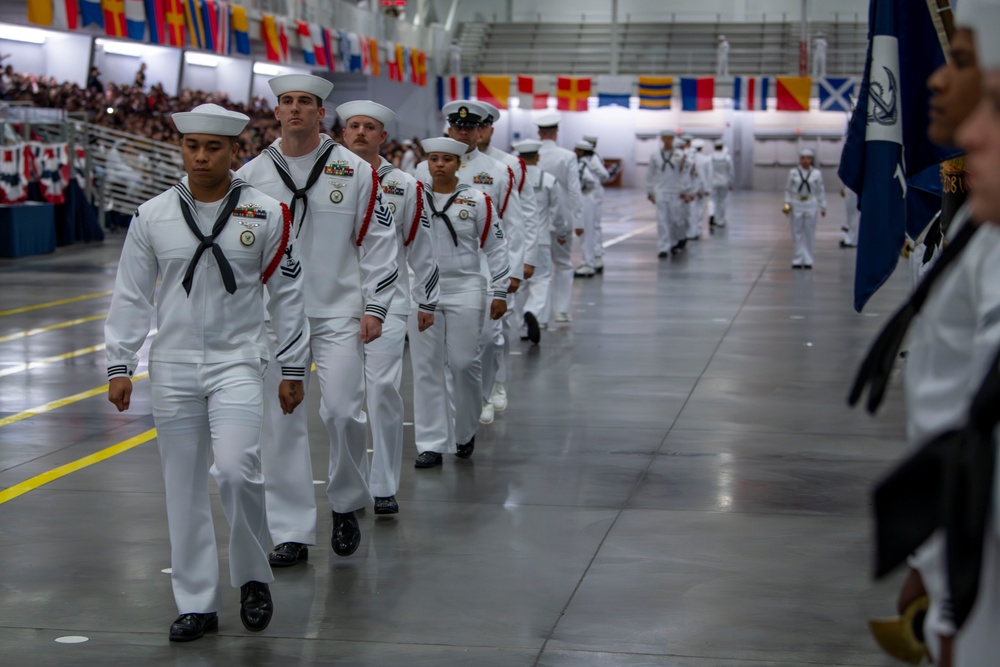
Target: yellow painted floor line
x,y
48,407
82,297
54,474
51,327
20,368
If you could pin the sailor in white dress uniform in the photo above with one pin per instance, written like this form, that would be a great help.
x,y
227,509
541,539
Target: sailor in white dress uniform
x,y
346,234
216,242
465,227
805,199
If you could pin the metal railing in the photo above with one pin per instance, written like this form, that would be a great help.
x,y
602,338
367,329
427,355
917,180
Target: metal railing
x,y
124,170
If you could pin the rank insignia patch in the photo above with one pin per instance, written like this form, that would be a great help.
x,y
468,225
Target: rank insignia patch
x,y
251,211
338,169
482,178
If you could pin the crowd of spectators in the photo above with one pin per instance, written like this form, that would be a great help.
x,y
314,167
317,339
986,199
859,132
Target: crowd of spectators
x,y
144,110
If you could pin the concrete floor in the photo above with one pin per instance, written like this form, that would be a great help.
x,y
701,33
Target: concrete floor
x,y
677,482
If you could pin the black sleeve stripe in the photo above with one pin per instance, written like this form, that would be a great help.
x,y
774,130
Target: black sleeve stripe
x,y
379,311
289,346
121,369
428,307
295,371
387,281
500,275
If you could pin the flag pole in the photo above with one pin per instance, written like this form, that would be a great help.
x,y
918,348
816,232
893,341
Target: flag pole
x,y
804,41
952,171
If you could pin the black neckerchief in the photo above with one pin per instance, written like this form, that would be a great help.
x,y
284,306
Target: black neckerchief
x,y
877,365
805,180
946,484
443,213
206,242
286,177
667,161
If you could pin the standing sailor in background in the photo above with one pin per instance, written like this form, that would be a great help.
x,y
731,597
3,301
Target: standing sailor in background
x,y
819,56
465,227
364,132
722,57
562,164
666,183
604,175
805,198
723,177
348,244
593,194
206,365
554,230
702,188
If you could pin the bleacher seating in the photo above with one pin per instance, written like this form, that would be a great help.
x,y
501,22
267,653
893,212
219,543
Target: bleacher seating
x,y
647,48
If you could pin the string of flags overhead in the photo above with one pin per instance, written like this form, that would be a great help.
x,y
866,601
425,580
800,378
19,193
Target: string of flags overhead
x,y
655,93
224,28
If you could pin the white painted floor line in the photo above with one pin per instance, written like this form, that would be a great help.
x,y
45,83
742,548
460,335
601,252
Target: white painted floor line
x,y
635,232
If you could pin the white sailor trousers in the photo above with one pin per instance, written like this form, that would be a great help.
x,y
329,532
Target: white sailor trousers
x,y
200,409
291,497
696,217
562,276
803,221
598,214
383,375
492,348
536,292
720,197
853,217
337,352
449,348
590,241
670,225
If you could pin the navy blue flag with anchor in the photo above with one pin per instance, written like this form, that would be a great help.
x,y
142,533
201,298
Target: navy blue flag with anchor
x,y
887,140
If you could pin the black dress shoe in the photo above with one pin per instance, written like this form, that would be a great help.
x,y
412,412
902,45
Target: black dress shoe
x,y
808,267
534,332
346,534
287,554
386,505
256,607
428,460
465,451
662,254
796,266
711,221
189,627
